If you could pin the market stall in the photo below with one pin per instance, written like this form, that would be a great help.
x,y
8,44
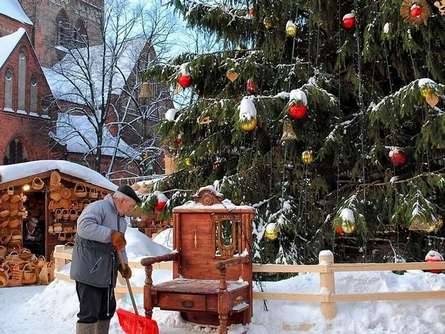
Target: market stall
x,y
40,202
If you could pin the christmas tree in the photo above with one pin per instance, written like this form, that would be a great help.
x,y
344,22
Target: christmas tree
x,y
326,116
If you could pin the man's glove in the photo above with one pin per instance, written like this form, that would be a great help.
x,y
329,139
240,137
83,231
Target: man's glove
x,y
125,271
118,240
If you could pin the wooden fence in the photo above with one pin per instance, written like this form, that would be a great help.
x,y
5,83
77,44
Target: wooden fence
x,y
326,268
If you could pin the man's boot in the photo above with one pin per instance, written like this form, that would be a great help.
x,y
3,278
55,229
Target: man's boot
x,y
102,326
82,328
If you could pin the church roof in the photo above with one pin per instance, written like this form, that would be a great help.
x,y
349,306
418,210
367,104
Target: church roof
x,y
70,81
78,134
9,42
14,10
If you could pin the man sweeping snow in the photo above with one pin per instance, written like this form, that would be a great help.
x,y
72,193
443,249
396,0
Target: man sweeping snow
x,y
100,234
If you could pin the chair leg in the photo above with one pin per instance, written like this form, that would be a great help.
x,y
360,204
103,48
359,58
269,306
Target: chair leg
x,y
223,323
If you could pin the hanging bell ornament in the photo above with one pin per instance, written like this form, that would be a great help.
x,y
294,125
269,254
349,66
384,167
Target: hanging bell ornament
x,y
268,23
145,91
431,98
271,232
232,75
307,157
291,29
288,132
348,227
348,21
440,4
251,86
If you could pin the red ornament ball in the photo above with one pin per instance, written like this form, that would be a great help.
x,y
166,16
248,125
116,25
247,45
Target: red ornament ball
x,y
339,230
434,260
185,80
348,21
297,111
178,141
251,86
416,10
397,157
161,202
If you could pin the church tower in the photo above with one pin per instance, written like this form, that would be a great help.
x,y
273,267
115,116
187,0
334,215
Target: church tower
x,y
58,24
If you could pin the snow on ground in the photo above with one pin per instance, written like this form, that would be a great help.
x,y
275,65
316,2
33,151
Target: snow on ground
x,y
52,309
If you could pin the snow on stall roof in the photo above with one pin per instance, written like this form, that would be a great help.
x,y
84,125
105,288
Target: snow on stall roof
x,y
72,73
8,43
14,10
17,171
67,133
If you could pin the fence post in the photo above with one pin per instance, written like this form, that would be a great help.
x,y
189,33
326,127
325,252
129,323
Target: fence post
x,y
327,284
58,262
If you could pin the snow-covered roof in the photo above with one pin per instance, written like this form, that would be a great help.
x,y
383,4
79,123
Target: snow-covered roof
x,y
69,79
14,10
18,171
79,136
9,42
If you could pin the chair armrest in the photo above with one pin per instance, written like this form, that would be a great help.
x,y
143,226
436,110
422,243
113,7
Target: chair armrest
x,y
147,261
221,265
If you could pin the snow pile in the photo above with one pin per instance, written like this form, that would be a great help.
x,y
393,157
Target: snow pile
x,y
9,42
165,238
17,171
139,245
14,10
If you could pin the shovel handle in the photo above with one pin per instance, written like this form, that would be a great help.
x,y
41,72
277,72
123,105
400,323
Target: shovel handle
x,y
122,263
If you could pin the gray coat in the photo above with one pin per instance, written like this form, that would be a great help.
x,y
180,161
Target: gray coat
x,y
94,259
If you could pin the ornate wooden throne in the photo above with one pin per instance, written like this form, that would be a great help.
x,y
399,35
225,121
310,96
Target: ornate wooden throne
x,y
212,268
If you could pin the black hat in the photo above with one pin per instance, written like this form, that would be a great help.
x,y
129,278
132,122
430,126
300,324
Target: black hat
x,y
127,190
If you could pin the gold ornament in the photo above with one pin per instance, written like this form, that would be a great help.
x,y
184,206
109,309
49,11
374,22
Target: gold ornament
x,y
425,91
441,6
268,23
188,162
145,91
348,227
232,75
288,132
271,232
249,125
204,120
307,157
432,100
406,11
420,223
291,29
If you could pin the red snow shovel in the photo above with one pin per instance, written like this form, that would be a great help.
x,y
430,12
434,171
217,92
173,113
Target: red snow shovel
x,y
133,323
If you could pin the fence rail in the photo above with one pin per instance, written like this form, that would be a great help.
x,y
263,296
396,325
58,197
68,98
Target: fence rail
x,y
326,268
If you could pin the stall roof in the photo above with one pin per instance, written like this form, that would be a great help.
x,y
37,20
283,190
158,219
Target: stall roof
x,y
10,173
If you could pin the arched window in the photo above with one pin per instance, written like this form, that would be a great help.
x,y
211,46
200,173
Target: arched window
x,y
14,153
63,30
80,33
22,80
9,77
34,95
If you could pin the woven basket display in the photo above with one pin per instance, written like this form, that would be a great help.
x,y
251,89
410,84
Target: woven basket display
x,y
29,274
65,193
37,183
80,190
55,181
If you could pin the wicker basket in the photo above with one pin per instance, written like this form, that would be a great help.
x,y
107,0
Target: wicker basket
x,y
3,251
66,214
73,215
57,228
93,193
51,229
16,235
29,274
10,190
15,199
55,180
65,193
44,275
25,254
80,190
16,275
14,223
4,278
55,196
58,214
37,183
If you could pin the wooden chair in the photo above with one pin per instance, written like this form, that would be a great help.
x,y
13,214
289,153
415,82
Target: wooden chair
x,y
212,268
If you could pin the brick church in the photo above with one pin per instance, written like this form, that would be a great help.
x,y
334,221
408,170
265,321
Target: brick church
x,y
32,40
